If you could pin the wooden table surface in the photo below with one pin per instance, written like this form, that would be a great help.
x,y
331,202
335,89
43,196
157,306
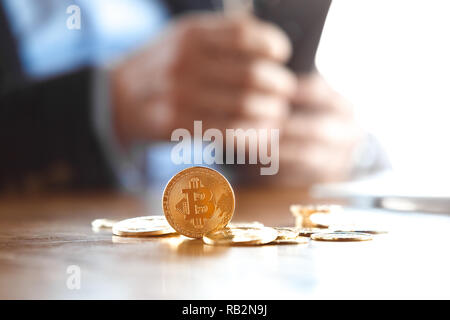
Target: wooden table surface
x,y
41,236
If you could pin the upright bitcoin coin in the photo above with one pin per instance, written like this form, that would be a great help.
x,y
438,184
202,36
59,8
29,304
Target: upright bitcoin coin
x,y
197,201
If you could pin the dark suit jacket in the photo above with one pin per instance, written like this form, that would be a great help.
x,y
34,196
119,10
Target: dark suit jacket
x,y
46,137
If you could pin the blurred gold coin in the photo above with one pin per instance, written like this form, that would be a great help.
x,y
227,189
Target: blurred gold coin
x,y
252,224
307,232
326,220
102,224
287,235
298,209
286,232
357,229
241,236
296,240
197,201
142,227
304,214
341,236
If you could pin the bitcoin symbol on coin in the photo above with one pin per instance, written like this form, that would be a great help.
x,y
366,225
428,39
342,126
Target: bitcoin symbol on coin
x,y
198,200
198,204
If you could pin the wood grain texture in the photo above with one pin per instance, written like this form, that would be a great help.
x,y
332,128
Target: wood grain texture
x,y
41,236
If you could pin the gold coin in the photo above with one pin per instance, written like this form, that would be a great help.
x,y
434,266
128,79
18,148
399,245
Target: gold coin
x,y
197,201
326,220
252,224
307,232
297,209
341,236
241,236
102,224
287,235
286,232
142,227
357,229
304,214
296,240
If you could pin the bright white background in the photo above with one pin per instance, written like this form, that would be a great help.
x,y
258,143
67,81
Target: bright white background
x,y
392,60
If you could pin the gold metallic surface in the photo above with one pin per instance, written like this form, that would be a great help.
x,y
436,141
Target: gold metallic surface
x,y
358,229
287,235
142,227
307,232
298,209
286,232
197,201
304,214
341,236
326,220
241,236
296,240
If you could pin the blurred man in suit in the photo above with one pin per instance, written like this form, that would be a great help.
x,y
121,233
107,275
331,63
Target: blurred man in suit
x,y
80,115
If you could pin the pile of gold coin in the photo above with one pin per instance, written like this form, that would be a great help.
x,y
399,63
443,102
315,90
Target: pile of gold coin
x,y
320,223
199,202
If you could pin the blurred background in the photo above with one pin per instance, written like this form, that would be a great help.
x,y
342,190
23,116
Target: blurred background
x,y
390,58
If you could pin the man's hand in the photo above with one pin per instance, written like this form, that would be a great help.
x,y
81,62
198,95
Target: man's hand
x,y
318,140
225,71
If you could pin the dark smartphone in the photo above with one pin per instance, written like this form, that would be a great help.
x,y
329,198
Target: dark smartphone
x,y
303,21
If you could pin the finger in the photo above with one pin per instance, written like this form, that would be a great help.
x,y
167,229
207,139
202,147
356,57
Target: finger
x,y
259,75
311,90
245,35
224,101
154,120
320,129
208,121
158,119
299,161
313,93
315,163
